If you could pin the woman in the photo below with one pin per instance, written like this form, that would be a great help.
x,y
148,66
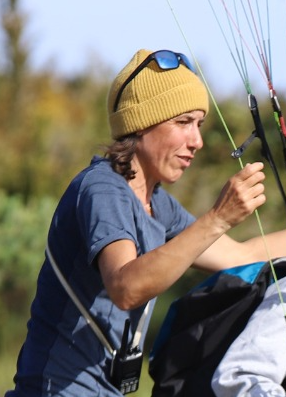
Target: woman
x,y
120,240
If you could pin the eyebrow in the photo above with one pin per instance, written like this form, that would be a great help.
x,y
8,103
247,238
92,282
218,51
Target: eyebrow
x,y
189,115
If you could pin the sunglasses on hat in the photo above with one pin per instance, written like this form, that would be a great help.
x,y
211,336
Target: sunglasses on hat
x,y
165,59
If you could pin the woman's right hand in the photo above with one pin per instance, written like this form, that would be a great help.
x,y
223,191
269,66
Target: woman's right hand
x,y
241,195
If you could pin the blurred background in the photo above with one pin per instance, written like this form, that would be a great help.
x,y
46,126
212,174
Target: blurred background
x,y
56,65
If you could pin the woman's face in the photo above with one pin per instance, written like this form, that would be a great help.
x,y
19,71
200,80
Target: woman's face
x,y
167,149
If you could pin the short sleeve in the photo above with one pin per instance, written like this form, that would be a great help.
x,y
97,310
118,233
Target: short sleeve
x,y
171,213
105,211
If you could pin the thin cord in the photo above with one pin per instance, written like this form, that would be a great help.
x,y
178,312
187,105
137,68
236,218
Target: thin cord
x,y
234,146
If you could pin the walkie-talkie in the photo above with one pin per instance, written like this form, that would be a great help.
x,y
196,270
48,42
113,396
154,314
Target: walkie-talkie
x,y
126,365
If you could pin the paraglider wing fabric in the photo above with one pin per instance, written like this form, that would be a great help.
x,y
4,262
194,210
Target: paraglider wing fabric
x,y
200,327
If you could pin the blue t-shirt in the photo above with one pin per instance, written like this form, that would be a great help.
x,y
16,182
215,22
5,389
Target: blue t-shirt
x,y
62,356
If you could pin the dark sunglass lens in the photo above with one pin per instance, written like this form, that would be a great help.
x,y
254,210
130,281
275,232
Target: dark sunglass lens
x,y
166,60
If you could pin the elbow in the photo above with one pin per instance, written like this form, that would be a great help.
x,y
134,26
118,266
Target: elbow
x,y
124,305
124,294
124,301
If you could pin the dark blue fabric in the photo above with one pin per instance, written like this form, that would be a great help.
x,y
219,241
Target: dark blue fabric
x,y
61,355
246,273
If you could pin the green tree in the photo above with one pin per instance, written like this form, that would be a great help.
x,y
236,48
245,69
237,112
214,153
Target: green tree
x,y
23,237
49,126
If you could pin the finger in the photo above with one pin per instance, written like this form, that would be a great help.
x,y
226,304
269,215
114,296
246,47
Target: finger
x,y
249,170
254,179
248,177
255,191
257,201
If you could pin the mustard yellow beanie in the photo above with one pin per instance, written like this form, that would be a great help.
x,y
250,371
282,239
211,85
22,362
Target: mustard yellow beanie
x,y
153,96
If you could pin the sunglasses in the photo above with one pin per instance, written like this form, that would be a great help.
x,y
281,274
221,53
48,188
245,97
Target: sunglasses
x,y
165,59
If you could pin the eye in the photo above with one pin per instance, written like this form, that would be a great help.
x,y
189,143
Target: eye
x,y
183,121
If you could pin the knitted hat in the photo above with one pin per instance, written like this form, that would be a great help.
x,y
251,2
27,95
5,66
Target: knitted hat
x,y
153,96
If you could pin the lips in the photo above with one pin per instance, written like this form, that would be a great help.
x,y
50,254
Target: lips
x,y
185,160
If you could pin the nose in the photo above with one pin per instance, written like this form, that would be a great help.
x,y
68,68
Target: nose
x,y
195,140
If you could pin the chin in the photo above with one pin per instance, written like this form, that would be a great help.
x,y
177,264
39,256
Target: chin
x,y
173,179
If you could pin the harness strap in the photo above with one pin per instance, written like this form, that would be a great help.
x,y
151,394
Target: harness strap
x,y
90,321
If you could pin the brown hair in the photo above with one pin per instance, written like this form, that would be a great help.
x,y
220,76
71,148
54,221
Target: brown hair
x,y
120,153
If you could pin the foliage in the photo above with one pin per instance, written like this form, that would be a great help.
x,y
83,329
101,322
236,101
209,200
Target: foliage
x,y
23,235
50,126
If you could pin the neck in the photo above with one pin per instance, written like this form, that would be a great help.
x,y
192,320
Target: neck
x,y
140,189
142,186
142,193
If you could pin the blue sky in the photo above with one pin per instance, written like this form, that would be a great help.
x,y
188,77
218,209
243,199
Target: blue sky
x,y
72,34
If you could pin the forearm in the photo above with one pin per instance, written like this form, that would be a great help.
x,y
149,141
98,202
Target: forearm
x,y
266,247
200,241
147,276
132,281
261,248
